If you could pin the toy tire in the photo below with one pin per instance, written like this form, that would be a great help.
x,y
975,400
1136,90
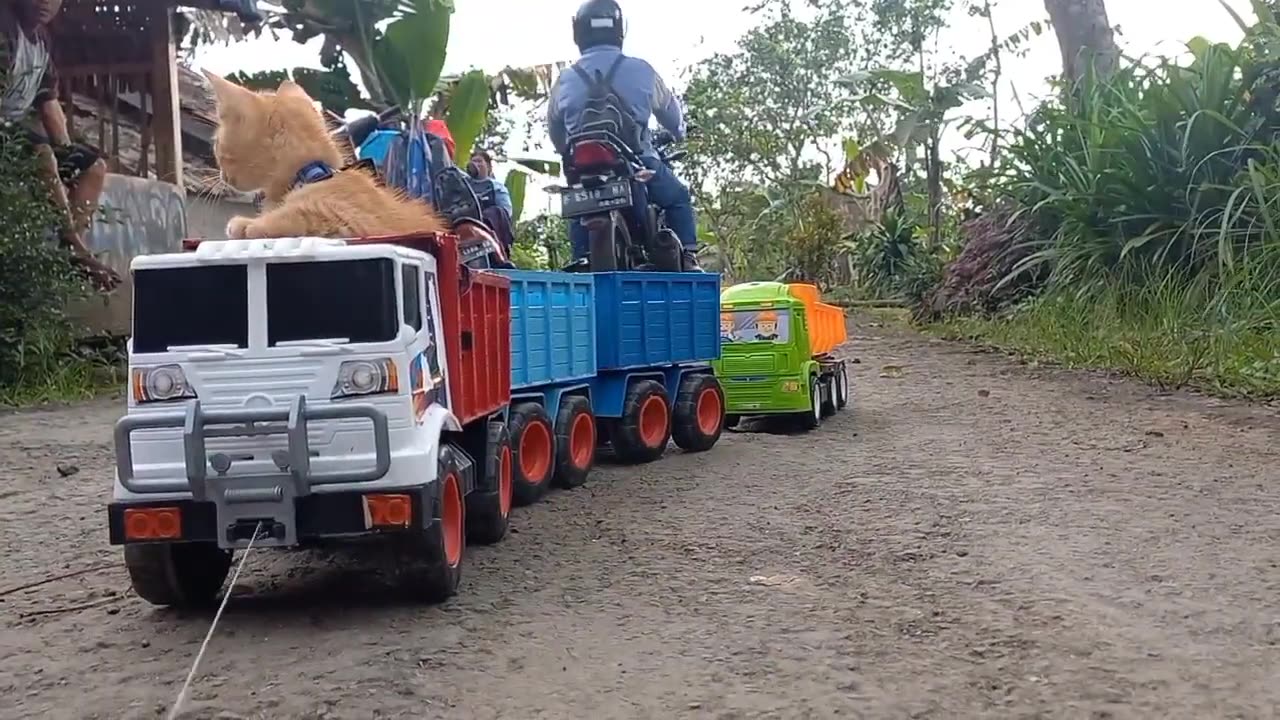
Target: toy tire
x,y
842,386
810,419
641,435
532,452
179,575
575,442
437,552
699,414
829,404
489,512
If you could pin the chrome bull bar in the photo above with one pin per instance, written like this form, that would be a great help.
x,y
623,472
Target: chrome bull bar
x,y
294,464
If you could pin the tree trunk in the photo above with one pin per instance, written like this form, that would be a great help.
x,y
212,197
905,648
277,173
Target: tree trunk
x,y
1084,36
933,175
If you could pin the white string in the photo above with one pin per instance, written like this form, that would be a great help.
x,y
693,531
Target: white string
x,y
186,685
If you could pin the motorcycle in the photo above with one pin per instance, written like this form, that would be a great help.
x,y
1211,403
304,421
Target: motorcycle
x,y
418,162
605,179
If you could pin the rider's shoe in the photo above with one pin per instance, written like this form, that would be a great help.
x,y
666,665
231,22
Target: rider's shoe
x,y
689,262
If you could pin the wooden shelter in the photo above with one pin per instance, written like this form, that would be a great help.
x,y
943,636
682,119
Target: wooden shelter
x,y
122,56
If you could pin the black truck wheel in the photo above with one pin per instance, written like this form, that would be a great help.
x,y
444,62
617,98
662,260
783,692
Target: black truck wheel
x,y
435,553
575,442
177,574
489,512
532,452
641,435
699,414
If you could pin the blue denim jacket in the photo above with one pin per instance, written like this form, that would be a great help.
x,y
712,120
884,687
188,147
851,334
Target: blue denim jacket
x,y
637,84
501,195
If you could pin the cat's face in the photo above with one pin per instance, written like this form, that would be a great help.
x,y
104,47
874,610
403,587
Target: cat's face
x,y
262,135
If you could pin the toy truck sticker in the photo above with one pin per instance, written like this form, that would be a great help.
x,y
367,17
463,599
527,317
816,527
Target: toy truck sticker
x,y
756,326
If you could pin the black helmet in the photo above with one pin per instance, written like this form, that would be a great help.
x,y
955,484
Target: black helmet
x,y
598,22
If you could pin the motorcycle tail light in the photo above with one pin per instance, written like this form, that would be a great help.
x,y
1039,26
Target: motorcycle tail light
x,y
593,154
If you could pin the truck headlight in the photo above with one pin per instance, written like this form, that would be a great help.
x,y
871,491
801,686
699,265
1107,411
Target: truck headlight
x,y
366,377
791,386
160,383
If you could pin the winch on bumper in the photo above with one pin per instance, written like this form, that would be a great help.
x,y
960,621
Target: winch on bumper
x,y
227,508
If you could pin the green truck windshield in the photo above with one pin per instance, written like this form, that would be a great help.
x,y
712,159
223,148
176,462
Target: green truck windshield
x,y
756,326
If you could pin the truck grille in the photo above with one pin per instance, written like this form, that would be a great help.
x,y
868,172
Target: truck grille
x,y
747,365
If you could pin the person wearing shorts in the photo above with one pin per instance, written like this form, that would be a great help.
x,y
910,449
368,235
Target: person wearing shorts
x,y
74,173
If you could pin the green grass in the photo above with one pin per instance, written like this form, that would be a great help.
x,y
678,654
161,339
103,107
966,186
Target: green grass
x,y
72,381
1223,338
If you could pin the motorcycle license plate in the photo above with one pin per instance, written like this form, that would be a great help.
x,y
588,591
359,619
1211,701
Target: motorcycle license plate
x,y
587,201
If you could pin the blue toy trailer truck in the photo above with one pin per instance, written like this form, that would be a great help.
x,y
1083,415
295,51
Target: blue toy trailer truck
x,y
609,359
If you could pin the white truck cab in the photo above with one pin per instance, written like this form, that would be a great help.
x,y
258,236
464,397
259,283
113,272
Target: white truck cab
x,y
285,392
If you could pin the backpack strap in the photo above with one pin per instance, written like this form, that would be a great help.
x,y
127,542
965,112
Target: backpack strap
x,y
613,70
583,74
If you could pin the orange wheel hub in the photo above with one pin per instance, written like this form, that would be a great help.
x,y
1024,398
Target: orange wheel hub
x,y
653,421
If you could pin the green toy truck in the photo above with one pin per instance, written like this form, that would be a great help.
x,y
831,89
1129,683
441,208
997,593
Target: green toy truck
x,y
776,341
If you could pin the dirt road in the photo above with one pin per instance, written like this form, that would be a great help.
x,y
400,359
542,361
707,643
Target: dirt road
x,y
976,538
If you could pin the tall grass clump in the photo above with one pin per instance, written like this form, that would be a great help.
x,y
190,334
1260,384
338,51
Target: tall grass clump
x,y
1155,197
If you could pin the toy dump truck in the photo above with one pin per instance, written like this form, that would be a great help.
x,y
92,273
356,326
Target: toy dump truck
x,y
618,359
299,391
776,344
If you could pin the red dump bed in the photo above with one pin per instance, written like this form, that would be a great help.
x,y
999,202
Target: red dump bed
x,y
475,307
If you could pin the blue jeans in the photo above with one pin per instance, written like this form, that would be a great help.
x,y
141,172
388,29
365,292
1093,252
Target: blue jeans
x,y
667,192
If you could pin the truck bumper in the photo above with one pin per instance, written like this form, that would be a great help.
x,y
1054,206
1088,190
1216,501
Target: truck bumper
x,y
285,507
323,516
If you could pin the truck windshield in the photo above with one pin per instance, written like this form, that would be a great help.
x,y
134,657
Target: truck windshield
x,y
349,299
756,326
206,305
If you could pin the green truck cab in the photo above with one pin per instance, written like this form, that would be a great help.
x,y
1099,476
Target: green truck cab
x,y
776,341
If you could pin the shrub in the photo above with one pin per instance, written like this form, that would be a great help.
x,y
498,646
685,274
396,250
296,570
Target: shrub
x,y
36,280
1163,166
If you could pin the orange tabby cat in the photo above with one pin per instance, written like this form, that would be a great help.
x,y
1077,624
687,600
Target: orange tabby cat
x,y
265,139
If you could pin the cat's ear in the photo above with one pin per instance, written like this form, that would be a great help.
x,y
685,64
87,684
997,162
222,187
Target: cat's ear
x,y
289,87
229,94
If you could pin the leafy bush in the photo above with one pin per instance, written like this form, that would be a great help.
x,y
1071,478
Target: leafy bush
x,y
542,243
36,280
994,243
1162,166
891,261
812,237
882,252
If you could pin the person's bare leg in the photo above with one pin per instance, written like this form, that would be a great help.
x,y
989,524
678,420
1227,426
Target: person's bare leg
x,y
85,195
47,167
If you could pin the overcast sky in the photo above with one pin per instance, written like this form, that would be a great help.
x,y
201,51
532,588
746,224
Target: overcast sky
x,y
672,34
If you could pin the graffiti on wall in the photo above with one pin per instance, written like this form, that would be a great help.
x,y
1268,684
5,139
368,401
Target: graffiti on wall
x,y
138,216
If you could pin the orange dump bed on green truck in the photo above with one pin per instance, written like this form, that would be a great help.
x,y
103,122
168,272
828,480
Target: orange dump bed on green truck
x,y
826,322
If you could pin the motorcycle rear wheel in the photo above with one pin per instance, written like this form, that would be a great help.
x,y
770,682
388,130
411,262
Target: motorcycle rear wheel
x,y
607,242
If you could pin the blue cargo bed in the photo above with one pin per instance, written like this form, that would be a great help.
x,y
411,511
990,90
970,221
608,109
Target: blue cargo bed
x,y
553,327
649,319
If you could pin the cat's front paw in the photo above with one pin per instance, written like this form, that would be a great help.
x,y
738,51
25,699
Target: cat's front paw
x,y
238,227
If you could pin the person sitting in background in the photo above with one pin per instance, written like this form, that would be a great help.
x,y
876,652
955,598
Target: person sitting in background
x,y
481,170
494,198
73,173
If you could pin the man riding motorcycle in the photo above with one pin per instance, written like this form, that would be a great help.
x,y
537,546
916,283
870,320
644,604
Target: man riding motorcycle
x,y
598,31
